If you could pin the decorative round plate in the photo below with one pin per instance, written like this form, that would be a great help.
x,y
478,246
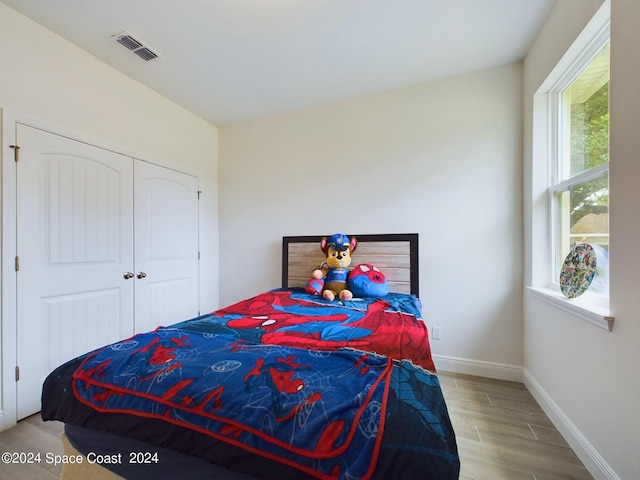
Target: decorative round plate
x,y
578,270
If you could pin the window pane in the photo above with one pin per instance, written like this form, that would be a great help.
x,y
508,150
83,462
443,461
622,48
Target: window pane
x,y
590,212
586,103
583,217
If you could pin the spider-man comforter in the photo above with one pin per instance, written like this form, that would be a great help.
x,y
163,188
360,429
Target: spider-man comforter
x,y
328,389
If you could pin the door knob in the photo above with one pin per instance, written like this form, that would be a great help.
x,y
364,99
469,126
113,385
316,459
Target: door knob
x,y
128,275
141,274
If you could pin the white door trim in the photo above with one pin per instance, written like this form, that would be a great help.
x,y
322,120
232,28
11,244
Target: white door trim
x,y
8,408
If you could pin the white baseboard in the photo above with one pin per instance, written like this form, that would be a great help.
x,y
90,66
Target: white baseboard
x,y
478,368
594,462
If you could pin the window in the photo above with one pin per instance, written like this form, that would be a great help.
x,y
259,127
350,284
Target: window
x,y
579,170
569,172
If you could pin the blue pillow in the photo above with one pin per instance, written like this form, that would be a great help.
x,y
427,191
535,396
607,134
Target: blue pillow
x,y
365,280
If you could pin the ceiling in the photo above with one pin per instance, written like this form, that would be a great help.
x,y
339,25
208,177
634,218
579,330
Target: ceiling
x,y
234,60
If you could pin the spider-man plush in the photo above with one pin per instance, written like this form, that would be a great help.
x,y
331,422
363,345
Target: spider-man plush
x,y
366,280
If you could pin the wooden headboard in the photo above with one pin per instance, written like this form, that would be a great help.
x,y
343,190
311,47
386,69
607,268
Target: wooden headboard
x,y
395,254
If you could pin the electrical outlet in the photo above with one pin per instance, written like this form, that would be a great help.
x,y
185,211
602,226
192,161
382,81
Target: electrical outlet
x,y
436,333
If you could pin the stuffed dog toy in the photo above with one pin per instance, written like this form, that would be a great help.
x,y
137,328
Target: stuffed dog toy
x,y
338,249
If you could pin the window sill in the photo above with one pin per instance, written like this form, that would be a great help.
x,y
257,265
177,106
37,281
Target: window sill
x,y
592,311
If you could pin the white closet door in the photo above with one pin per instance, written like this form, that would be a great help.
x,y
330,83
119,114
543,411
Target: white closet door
x,y
166,246
74,242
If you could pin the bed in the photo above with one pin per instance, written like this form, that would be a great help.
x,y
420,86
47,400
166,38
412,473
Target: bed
x,y
282,385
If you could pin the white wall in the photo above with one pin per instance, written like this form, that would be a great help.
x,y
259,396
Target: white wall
x,y
588,377
47,79
44,78
442,159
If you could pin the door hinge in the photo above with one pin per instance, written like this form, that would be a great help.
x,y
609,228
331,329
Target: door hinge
x,y
199,192
198,255
17,264
16,150
17,373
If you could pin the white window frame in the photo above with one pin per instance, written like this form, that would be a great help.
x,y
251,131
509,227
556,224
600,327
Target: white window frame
x,y
547,142
559,180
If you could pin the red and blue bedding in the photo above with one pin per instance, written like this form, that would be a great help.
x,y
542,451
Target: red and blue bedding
x,y
333,390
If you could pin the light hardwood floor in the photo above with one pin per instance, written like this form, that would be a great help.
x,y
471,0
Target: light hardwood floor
x,y
35,436
501,431
503,434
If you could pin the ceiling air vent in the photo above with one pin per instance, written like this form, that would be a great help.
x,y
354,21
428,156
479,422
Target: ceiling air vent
x,y
145,53
135,45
